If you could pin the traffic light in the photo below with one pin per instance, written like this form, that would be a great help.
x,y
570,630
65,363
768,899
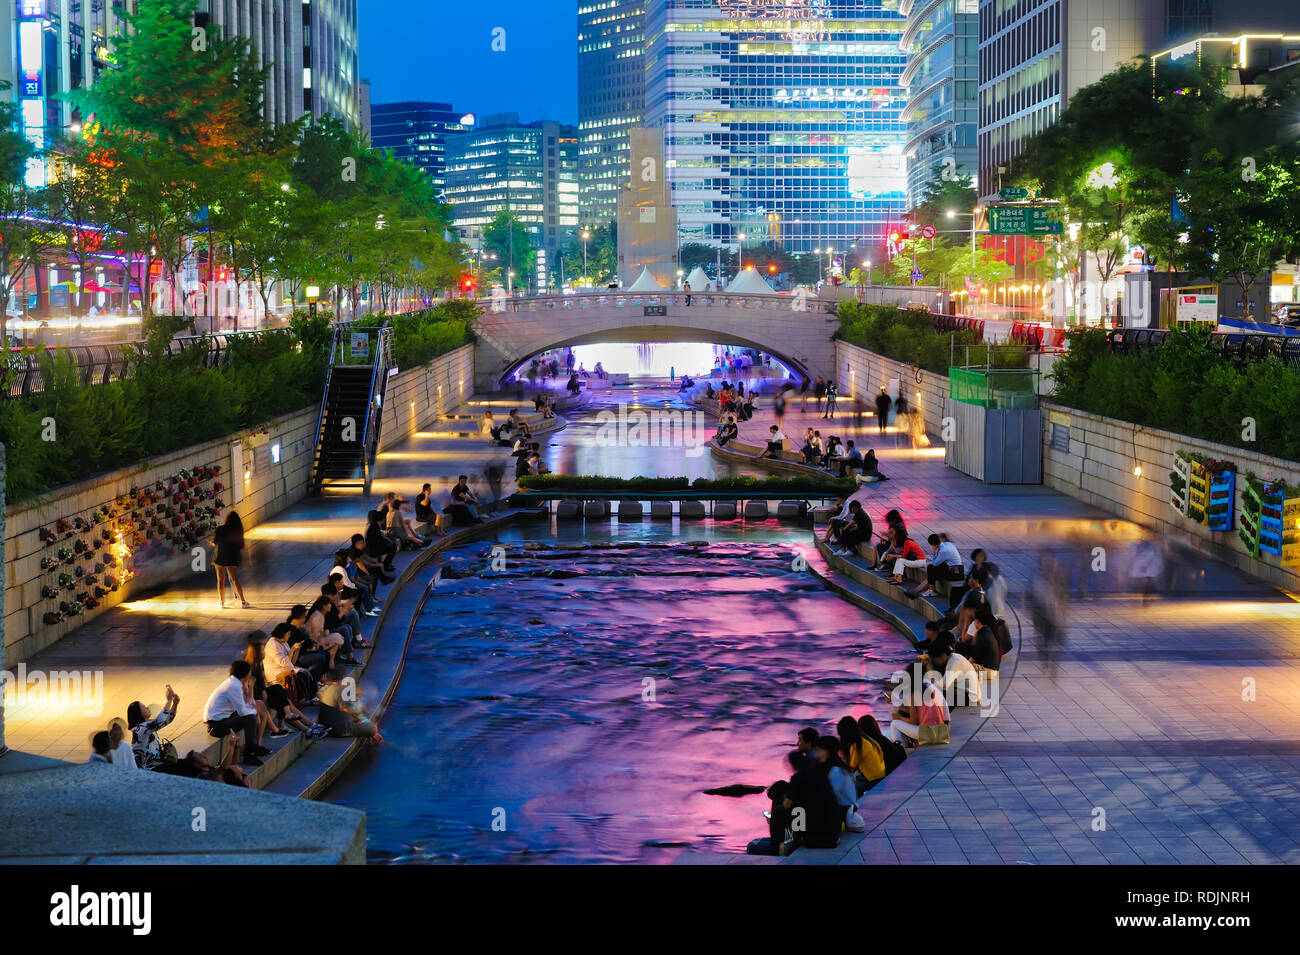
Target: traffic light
x,y
772,268
898,235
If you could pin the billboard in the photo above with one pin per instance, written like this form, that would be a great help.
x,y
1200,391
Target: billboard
x,y
876,171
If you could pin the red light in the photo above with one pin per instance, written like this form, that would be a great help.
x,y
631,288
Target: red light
x,y
772,269
894,237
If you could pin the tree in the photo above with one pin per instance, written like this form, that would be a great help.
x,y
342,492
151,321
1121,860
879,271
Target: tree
x,y
512,243
22,236
86,194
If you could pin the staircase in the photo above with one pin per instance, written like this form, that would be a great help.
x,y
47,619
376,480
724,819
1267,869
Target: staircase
x,y
347,431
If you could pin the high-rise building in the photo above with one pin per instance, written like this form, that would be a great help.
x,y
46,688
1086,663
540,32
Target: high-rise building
x,y
1035,54
417,133
530,169
611,80
781,118
50,48
647,221
942,82
363,92
310,47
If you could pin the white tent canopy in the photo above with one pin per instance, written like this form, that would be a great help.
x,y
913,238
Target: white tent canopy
x,y
749,282
645,282
699,280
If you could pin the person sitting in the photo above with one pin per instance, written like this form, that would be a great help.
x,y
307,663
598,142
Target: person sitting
x,y
944,564
427,516
535,464
488,425
464,502
362,587
101,748
312,631
401,527
144,728
747,408
775,442
863,756
196,765
539,402
361,560
573,387
808,789
980,643
339,716
976,578
834,451
341,617
826,756
961,681
870,473
852,460
893,753
379,544
923,707
855,531
230,707
709,392
909,554
727,431
885,546
812,447
805,740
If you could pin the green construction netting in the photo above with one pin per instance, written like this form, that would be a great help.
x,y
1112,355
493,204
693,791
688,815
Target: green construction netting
x,y
994,387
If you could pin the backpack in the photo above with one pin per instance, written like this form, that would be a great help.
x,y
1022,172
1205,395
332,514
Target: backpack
x,y
1003,633
301,687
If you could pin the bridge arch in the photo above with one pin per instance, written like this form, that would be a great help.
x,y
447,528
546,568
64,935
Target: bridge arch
x,y
511,332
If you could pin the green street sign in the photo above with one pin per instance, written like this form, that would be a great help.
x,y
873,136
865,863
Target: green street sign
x,y
1025,220
1013,193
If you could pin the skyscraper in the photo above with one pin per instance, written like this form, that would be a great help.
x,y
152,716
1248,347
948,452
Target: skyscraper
x,y
942,81
310,47
611,79
781,118
531,169
417,133
1035,54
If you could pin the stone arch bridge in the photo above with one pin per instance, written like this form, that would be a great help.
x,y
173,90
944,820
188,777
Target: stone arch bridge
x,y
795,329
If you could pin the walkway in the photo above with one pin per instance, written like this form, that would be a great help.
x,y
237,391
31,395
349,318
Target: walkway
x,y
1167,733
178,635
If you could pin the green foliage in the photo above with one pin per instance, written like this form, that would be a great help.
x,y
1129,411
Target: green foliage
x,y
899,334
419,337
1184,387
169,402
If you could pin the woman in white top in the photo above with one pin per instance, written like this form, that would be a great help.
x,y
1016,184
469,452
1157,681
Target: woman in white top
x,y
120,752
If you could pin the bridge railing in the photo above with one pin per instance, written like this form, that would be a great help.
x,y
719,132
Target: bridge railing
x,y
623,299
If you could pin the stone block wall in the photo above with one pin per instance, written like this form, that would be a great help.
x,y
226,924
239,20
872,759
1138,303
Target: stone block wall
x,y
1098,468
860,372
420,395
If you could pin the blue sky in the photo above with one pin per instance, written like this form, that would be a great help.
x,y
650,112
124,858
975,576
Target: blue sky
x,y
441,50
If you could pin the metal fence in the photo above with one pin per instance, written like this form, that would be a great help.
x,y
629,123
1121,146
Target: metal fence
x,y
100,364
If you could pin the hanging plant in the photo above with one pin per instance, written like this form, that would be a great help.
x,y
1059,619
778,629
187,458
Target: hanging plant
x,y
67,581
48,592
63,526
48,562
47,536
52,617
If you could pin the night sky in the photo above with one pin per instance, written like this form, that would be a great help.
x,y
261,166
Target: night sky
x,y
441,50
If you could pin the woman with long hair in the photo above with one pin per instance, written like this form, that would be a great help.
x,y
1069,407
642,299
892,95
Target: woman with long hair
x,y
893,753
144,728
229,543
862,755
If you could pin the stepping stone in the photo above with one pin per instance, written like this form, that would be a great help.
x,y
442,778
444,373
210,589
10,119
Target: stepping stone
x,y
724,511
595,509
661,510
691,510
568,510
630,511
791,510
823,513
756,510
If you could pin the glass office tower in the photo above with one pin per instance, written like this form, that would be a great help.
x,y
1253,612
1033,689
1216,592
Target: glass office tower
x,y
417,133
781,118
611,80
942,81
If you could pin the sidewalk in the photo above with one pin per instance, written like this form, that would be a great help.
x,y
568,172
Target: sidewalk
x,y
179,636
1144,719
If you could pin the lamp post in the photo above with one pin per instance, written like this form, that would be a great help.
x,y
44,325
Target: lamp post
x,y
740,254
974,218
585,236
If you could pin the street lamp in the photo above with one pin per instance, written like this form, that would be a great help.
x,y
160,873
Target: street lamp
x,y
585,236
740,254
974,218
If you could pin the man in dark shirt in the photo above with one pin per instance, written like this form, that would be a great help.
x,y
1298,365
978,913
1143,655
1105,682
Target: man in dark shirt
x,y
883,404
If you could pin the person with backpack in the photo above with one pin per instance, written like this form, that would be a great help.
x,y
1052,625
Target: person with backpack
x,y
144,726
831,393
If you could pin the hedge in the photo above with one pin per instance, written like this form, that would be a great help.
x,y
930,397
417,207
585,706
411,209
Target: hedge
x,y
1184,386
640,484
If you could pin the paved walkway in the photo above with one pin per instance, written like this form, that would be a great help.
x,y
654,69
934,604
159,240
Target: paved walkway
x,y
179,636
1147,717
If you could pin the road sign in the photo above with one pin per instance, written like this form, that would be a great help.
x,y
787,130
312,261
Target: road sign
x,y
916,276
928,232
1025,220
1013,193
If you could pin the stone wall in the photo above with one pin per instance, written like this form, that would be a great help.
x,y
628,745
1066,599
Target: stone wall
x,y
1098,468
420,395
860,372
269,488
